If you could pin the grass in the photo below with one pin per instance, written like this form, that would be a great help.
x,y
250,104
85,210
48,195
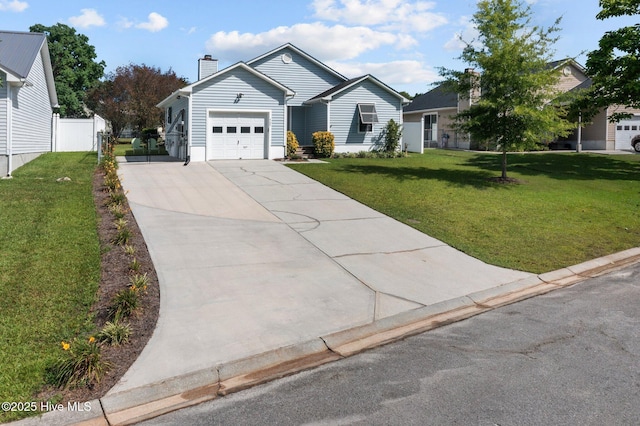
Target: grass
x,y
570,207
49,267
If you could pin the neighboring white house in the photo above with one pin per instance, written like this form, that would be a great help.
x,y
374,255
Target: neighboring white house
x,y
27,98
245,110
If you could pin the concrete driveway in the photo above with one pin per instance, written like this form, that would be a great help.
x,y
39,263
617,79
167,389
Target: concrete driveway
x,y
252,256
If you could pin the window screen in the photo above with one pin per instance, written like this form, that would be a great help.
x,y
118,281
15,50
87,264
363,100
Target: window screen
x,y
368,114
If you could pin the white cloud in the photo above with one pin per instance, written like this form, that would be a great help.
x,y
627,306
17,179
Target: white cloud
x,y
13,5
326,43
394,73
89,18
124,23
155,23
398,15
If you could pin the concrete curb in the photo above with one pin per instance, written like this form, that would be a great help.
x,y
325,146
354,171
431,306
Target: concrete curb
x,y
135,405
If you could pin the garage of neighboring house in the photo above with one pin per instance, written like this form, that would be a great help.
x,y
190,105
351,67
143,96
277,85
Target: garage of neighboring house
x,y
626,132
238,134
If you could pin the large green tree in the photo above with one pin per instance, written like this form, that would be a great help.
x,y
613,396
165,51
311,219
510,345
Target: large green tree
x,y
615,66
75,69
510,85
128,96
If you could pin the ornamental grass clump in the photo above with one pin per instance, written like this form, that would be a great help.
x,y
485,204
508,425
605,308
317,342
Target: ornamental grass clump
x,y
134,265
129,250
122,237
115,198
117,210
124,303
115,333
139,282
80,365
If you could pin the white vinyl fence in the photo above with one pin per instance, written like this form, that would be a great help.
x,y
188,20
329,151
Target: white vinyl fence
x,y
77,134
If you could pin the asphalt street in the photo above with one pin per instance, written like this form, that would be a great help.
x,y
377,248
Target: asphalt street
x,y
569,357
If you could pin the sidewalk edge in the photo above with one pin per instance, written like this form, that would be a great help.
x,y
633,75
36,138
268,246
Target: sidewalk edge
x,y
146,402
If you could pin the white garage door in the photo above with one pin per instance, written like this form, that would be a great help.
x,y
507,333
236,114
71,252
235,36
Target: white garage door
x,y
626,131
237,135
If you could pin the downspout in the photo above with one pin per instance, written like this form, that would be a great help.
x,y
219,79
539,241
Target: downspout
x,y
9,130
188,153
286,128
54,131
579,143
328,116
401,121
287,120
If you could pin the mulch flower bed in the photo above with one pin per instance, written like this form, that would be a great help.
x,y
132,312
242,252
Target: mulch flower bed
x,y
116,274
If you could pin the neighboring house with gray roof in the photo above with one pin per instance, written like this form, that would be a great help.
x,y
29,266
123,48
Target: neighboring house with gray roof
x,y
430,116
27,98
245,110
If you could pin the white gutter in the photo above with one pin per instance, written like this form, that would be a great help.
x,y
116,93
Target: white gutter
x,y
286,127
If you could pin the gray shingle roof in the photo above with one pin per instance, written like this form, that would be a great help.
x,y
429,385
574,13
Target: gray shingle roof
x,y
345,84
18,51
437,97
337,88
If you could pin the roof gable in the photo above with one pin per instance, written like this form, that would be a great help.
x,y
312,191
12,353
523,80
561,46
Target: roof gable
x,y
187,90
18,51
328,94
288,46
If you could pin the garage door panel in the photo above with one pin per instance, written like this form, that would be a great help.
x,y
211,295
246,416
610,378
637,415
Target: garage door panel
x,y
237,135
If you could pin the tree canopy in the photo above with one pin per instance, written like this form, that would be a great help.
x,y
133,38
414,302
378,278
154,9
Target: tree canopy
x,y
75,70
509,85
128,96
615,66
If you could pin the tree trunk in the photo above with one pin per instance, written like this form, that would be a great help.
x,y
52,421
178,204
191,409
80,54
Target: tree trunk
x,y
504,164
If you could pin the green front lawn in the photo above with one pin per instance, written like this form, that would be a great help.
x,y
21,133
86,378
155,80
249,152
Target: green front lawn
x,y
569,208
49,267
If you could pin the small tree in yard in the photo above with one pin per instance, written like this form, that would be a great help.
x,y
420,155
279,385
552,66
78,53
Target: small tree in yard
x,y
514,84
392,134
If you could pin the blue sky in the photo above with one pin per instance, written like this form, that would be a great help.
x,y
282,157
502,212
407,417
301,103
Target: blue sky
x,y
401,42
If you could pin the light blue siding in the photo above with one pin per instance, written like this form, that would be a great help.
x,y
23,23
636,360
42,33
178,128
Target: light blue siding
x,y
3,115
221,93
298,123
316,119
301,75
345,119
32,113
